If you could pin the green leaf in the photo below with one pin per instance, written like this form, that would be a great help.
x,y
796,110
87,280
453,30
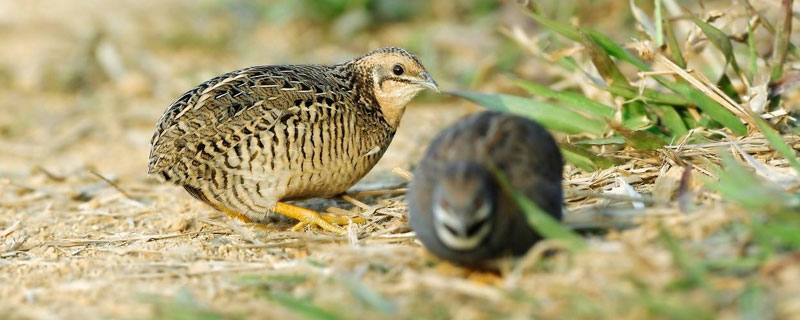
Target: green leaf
x,y
551,116
635,116
753,302
671,119
709,107
726,86
740,185
574,34
603,63
752,53
782,42
304,308
601,141
369,297
674,48
644,22
565,30
586,159
649,96
638,139
659,26
695,272
689,119
542,222
615,50
720,40
777,142
578,160
575,100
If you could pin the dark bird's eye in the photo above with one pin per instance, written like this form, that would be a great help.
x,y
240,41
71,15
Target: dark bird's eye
x,y
443,204
397,70
479,202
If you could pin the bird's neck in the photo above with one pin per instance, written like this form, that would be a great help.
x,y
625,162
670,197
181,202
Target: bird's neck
x,y
390,108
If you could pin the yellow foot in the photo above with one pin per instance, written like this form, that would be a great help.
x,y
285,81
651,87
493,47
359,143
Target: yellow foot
x,y
311,217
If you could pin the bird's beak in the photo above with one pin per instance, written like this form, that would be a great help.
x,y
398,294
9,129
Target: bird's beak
x,y
428,83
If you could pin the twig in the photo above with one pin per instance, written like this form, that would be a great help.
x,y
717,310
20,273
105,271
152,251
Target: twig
x,y
403,173
376,193
610,218
10,229
79,242
617,197
114,185
355,202
194,273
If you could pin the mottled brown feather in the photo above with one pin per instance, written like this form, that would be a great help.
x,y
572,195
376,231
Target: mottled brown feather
x,y
246,139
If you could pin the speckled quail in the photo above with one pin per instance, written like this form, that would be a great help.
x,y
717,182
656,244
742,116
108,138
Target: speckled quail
x,y
247,140
457,207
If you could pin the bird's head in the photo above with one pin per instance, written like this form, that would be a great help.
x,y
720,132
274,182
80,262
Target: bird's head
x,y
464,203
395,77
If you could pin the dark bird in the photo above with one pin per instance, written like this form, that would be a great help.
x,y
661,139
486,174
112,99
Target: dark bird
x,y
247,140
456,205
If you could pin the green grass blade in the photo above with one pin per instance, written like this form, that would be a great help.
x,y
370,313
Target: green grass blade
x,y
782,42
551,116
720,40
586,159
752,52
709,107
672,42
695,272
778,143
658,20
727,87
543,223
563,29
575,100
615,50
753,302
578,160
644,21
671,119
370,297
649,96
601,141
574,34
639,139
635,116
304,308
603,63
740,185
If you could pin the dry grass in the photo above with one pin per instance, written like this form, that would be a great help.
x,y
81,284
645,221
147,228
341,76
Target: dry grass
x,y
85,234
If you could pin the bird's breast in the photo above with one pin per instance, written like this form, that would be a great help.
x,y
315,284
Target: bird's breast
x,y
327,156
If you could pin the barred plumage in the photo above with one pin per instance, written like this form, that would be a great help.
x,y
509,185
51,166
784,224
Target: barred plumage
x,y
249,138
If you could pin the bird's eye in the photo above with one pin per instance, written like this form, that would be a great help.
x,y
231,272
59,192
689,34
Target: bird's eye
x,y
397,70
478,202
443,204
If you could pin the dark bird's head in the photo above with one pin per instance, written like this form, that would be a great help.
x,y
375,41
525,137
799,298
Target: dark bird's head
x,y
463,206
395,76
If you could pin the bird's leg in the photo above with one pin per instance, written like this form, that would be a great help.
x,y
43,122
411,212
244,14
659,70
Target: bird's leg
x,y
308,216
342,220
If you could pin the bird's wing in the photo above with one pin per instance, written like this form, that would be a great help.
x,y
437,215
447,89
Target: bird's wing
x,y
216,116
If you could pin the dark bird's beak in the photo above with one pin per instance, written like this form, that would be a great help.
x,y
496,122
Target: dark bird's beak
x,y
428,83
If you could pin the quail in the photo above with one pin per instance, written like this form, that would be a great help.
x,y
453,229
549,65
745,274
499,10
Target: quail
x,y
456,205
249,140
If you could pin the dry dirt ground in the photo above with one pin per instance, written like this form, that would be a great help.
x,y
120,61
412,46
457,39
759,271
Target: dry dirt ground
x,y
84,233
